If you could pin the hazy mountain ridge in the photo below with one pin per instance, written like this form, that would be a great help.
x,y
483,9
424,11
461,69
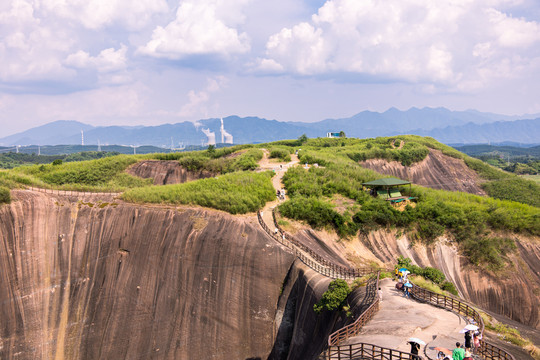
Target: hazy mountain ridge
x,y
446,126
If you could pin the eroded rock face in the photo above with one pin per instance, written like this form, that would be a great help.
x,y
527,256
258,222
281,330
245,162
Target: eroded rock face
x,y
301,333
437,171
82,281
513,292
166,172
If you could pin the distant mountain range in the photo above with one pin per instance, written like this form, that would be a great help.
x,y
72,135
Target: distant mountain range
x,y
450,127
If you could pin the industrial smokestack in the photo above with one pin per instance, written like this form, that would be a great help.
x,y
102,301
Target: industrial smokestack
x,y
210,135
226,138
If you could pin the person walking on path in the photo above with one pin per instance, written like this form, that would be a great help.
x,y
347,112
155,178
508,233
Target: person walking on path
x,y
379,293
468,339
415,347
406,287
476,341
458,353
468,355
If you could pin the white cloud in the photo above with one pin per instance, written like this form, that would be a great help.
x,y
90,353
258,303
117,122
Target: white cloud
x,y
201,27
108,60
28,50
442,42
198,100
95,14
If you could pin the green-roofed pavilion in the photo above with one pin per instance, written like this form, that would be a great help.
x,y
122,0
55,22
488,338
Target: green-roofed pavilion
x,y
386,182
386,189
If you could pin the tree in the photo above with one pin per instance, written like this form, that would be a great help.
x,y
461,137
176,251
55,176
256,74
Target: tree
x,y
211,150
5,196
342,134
334,297
303,138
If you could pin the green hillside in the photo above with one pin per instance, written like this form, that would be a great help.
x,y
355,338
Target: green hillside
x,y
474,222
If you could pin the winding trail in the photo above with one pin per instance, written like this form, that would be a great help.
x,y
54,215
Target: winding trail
x,y
280,168
400,318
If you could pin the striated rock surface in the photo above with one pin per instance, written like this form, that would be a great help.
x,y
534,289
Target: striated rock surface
x,y
300,333
166,172
513,292
96,280
437,171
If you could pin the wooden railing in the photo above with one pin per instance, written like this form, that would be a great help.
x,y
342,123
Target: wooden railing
x,y
353,329
361,351
364,351
69,192
312,259
342,271
486,350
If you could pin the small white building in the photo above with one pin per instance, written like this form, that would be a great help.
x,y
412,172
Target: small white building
x,y
332,134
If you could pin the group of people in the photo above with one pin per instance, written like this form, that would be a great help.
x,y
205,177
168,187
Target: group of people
x,y
460,353
403,283
280,194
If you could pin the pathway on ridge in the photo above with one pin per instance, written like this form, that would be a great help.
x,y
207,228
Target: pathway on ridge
x,y
400,318
266,164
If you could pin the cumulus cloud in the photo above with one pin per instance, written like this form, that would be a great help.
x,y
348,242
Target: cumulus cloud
x,y
95,14
201,27
28,50
107,60
455,43
198,100
38,45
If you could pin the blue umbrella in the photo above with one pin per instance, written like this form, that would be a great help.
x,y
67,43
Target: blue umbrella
x,y
403,269
408,284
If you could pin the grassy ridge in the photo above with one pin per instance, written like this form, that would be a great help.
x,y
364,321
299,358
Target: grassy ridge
x,y
237,193
470,219
106,174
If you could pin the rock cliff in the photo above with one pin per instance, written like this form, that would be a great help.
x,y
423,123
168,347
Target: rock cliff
x,y
166,172
300,333
95,279
437,171
513,292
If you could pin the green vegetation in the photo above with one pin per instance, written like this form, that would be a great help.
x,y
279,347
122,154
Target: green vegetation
x,y
333,298
280,153
317,213
5,196
509,334
237,193
105,174
436,277
470,220
517,160
217,161
11,160
535,178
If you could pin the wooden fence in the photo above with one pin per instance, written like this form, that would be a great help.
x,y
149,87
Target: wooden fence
x,y
311,258
486,350
360,351
69,192
342,272
353,329
364,351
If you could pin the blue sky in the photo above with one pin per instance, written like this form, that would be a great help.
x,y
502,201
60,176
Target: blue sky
x,y
149,62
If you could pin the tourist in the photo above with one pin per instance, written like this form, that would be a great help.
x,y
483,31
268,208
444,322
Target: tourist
x,y
476,341
379,292
458,353
415,347
442,356
468,338
468,355
406,289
